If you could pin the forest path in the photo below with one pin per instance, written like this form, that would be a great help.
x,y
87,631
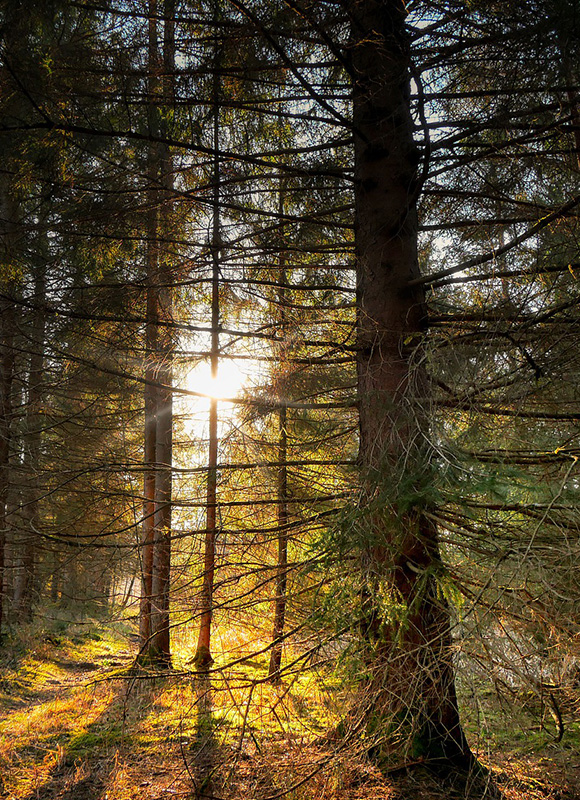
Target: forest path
x,y
67,721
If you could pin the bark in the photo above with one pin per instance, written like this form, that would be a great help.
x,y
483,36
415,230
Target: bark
x,y
7,358
203,657
156,535
282,565
24,589
282,489
160,624
160,627
151,328
150,434
6,376
412,705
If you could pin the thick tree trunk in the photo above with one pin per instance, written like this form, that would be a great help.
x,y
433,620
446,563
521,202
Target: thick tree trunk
x,y
412,707
149,446
160,628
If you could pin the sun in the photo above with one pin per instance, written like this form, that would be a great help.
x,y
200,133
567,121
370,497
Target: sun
x,y
235,376
226,386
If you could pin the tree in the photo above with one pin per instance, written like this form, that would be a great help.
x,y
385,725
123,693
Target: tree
x,y
439,143
412,674
7,325
158,434
203,657
503,195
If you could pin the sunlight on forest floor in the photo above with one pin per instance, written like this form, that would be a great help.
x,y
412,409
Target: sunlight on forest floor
x,y
75,723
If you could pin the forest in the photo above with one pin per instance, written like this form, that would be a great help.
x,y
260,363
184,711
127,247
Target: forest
x,y
289,399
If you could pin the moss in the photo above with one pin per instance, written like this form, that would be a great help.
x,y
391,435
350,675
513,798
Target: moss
x,y
87,742
203,658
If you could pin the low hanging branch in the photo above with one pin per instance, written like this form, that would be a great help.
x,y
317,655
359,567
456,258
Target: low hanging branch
x,y
429,280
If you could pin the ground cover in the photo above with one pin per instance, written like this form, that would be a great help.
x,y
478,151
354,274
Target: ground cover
x,y
77,722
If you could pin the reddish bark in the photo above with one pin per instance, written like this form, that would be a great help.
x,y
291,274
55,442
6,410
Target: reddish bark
x,y
156,540
413,697
282,488
282,564
203,657
160,623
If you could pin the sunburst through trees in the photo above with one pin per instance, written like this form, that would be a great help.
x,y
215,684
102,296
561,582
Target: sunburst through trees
x,y
288,382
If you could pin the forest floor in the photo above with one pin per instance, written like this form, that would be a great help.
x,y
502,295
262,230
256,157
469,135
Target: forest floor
x,y
77,724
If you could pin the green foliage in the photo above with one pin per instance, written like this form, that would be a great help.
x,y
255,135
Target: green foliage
x,y
103,739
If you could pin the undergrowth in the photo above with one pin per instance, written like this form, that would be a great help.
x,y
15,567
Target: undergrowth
x,y
78,721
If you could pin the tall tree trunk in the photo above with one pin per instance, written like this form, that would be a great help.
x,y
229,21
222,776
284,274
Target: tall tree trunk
x,y
7,329
160,626
6,377
282,487
203,657
156,541
149,446
282,565
413,705
25,577
151,393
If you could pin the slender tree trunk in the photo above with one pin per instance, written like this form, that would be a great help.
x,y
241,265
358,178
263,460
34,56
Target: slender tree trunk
x,y
413,707
156,559
160,633
151,393
282,565
25,579
6,377
55,577
203,657
282,488
7,330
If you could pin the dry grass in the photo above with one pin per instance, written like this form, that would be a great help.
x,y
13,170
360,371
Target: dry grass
x,y
76,725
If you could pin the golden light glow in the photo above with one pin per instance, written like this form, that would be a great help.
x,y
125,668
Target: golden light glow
x,y
227,385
